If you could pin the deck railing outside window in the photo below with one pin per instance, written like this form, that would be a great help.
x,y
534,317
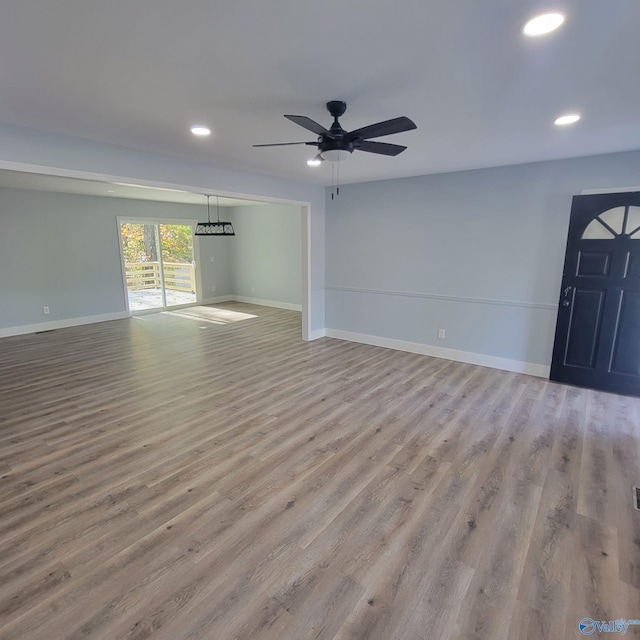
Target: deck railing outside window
x,y
178,276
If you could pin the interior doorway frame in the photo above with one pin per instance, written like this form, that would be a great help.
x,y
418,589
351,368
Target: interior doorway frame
x,y
305,208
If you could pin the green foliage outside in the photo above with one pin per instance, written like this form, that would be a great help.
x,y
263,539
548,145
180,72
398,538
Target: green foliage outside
x,y
139,242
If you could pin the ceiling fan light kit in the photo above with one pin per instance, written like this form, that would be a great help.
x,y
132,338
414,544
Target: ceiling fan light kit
x,y
334,155
216,228
335,144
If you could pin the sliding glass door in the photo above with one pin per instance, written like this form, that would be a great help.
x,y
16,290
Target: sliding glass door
x,y
158,264
178,264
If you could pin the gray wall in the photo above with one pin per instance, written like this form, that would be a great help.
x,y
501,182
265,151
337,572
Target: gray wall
x,y
215,263
266,255
478,253
62,251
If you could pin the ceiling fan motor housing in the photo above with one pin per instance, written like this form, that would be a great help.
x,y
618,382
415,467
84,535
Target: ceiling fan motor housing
x,y
336,108
331,144
336,138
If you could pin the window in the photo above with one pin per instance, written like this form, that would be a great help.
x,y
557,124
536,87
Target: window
x,y
616,222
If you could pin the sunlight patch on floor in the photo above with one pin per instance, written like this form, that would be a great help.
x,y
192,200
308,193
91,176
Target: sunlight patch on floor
x,y
213,315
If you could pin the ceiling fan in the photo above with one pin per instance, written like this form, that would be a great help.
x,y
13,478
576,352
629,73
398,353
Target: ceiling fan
x,y
332,141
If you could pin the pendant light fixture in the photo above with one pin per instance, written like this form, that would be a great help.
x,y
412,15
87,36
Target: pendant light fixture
x,y
214,228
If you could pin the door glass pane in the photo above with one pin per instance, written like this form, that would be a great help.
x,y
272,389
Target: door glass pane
x,y
597,231
141,250
633,222
614,218
178,265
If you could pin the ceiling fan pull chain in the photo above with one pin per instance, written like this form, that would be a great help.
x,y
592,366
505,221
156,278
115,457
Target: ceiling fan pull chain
x,y
333,179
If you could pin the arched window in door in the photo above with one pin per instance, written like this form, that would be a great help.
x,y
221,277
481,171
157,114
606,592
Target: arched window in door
x,y
613,223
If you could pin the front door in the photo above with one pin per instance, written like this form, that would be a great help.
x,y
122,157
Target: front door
x,y
597,343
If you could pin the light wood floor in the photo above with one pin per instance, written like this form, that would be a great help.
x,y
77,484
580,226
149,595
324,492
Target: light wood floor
x,y
209,475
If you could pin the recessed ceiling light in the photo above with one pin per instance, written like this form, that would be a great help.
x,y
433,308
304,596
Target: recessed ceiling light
x,y
199,130
314,162
542,24
570,118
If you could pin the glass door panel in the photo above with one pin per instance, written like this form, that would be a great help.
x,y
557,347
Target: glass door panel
x,y
176,241
142,265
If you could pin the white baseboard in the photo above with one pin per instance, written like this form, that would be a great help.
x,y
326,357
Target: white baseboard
x,y
61,324
74,322
268,303
517,366
217,299
258,301
506,364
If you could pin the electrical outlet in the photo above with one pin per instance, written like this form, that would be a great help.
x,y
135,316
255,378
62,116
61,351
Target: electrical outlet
x,y
441,334
211,258
253,289
45,310
213,288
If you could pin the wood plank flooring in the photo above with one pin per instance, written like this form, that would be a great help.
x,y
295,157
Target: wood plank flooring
x,y
206,474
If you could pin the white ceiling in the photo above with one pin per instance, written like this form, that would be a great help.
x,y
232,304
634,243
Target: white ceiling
x,y
139,74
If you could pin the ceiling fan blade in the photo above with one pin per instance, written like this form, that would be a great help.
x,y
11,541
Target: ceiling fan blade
x,y
386,128
285,144
383,148
308,124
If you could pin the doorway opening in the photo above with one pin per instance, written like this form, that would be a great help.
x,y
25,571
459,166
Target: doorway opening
x,y
91,183
158,263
